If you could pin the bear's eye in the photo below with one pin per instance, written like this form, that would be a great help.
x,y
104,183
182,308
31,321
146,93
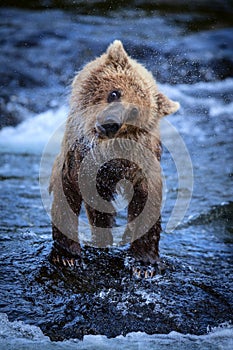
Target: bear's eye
x,y
114,96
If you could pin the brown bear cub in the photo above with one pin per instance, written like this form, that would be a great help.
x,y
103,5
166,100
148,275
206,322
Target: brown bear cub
x,y
111,144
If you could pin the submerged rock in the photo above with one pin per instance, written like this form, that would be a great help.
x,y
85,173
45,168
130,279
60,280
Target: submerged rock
x,y
104,298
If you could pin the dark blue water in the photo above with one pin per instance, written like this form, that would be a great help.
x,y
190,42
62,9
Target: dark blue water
x,y
191,57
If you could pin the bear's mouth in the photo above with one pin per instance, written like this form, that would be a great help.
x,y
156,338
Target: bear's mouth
x,y
108,129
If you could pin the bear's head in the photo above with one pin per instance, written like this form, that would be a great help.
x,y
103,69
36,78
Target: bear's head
x,y
115,96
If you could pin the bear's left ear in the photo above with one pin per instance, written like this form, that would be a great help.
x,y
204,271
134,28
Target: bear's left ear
x,y
165,105
117,54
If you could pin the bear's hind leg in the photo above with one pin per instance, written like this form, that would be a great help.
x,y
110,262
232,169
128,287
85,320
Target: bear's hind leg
x,y
101,227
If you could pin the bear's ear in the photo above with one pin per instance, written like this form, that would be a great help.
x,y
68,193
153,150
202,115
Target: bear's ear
x,y
117,54
165,105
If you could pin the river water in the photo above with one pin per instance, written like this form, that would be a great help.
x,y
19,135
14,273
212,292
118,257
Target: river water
x,y
188,304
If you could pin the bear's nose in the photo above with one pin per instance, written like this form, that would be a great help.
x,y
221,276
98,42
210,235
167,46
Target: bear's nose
x,y
109,128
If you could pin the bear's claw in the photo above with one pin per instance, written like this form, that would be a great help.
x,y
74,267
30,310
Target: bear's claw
x,y
147,271
142,272
65,261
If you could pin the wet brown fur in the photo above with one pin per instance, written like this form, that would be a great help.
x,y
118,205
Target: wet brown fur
x,y
114,70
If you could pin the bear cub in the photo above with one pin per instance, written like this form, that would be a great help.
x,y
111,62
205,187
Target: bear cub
x,y
111,143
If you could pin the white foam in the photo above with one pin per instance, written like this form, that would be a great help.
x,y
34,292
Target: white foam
x,y
222,108
203,94
18,335
198,103
32,134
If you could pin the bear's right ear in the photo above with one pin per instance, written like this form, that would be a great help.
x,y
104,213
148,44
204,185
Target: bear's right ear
x,y
117,54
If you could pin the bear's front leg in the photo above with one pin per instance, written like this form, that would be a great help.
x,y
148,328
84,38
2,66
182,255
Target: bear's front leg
x,y
144,223
64,230
145,253
146,248
65,210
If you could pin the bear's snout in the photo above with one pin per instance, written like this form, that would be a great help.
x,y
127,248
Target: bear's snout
x,y
110,120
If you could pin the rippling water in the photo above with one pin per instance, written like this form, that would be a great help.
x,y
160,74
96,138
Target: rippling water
x,y
40,52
